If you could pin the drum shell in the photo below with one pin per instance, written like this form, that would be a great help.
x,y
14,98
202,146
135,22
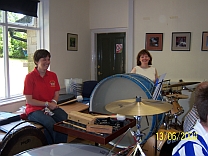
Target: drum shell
x,y
22,139
177,109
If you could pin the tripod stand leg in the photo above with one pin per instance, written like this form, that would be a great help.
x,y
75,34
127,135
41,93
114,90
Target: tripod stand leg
x,y
135,149
132,150
123,135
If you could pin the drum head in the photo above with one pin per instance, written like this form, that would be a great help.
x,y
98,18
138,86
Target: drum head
x,y
66,149
120,87
22,139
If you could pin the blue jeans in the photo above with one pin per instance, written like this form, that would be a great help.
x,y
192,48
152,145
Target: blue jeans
x,y
48,122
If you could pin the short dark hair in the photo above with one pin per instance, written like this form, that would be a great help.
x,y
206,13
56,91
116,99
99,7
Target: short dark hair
x,y
201,100
143,52
40,53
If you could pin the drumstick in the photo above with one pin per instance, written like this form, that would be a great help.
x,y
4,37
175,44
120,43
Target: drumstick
x,y
79,98
67,102
119,117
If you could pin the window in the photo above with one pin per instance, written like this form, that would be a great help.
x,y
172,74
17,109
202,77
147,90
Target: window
x,y
19,38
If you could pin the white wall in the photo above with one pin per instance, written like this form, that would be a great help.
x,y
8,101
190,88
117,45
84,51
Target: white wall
x,y
12,107
165,17
69,16
108,14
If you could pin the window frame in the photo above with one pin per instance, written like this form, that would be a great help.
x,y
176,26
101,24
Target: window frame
x,y
40,38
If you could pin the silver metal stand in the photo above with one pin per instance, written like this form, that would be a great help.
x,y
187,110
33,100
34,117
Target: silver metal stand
x,y
136,136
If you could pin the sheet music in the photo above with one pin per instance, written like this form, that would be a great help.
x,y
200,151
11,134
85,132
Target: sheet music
x,y
158,87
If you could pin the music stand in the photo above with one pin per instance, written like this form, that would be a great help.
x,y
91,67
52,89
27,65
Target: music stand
x,y
158,86
155,96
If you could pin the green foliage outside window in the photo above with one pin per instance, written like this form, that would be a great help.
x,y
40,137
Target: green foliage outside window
x,y
17,40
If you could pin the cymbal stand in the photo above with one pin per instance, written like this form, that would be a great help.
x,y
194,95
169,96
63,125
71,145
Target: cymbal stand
x,y
177,122
134,150
137,138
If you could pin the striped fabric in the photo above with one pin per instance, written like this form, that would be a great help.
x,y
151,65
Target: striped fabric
x,y
192,147
190,119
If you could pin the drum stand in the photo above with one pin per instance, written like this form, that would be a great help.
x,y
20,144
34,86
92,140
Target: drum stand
x,y
137,138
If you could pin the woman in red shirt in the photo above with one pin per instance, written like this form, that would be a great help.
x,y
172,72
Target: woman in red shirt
x,y
41,89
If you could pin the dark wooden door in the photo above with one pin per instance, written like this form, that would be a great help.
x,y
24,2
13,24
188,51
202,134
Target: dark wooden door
x,y
110,54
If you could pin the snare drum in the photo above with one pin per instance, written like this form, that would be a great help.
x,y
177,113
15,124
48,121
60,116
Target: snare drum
x,y
166,141
64,149
177,109
21,140
120,87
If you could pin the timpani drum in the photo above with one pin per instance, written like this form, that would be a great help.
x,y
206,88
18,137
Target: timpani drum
x,y
64,149
125,86
22,139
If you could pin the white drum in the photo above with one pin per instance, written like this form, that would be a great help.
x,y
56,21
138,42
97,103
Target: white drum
x,y
64,149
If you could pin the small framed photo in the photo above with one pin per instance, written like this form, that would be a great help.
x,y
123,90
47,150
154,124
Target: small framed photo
x,y
204,46
181,41
72,42
154,41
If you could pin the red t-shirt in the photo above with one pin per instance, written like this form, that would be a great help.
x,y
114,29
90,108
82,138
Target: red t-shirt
x,y
41,88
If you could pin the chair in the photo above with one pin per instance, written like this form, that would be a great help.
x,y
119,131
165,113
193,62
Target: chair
x,y
87,89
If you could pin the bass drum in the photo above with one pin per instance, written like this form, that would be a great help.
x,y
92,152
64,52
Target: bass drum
x,y
120,87
22,139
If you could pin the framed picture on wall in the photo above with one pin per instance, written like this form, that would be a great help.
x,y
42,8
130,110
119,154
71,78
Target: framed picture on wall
x,y
154,41
204,46
181,41
72,42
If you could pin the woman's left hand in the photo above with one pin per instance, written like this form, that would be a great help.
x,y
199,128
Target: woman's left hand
x,y
52,105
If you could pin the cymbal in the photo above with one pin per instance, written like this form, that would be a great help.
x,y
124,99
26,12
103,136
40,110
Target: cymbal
x,y
133,108
166,80
182,84
178,96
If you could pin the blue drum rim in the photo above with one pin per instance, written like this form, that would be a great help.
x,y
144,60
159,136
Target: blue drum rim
x,y
127,76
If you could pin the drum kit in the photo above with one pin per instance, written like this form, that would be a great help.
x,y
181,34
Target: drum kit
x,y
140,108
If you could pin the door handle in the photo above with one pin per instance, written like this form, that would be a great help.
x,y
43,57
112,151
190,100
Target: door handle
x,y
99,73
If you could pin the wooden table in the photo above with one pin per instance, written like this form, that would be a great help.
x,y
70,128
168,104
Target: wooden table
x,y
77,106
